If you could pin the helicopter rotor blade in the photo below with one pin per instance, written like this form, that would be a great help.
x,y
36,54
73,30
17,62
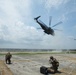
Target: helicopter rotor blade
x,y
50,19
38,28
58,29
57,24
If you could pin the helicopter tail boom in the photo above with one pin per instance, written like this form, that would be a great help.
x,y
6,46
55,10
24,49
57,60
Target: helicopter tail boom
x,y
37,18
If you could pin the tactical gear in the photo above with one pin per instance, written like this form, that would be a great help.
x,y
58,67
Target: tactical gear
x,y
43,70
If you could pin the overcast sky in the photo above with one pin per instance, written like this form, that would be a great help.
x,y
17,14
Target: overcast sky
x,y
18,29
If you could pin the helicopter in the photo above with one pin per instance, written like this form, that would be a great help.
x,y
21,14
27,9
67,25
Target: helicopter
x,y
47,29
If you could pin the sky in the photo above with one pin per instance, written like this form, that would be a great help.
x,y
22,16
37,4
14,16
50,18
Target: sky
x,y
18,29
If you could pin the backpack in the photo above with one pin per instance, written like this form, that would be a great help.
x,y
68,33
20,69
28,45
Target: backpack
x,y
43,70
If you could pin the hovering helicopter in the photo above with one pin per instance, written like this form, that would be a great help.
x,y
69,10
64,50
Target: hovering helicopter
x,y
47,30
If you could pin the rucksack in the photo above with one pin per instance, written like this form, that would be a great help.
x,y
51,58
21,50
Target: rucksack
x,y
43,70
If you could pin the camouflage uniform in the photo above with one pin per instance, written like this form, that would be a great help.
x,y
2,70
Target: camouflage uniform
x,y
55,64
8,57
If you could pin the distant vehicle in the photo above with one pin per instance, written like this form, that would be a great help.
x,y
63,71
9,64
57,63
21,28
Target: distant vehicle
x,y
47,30
71,37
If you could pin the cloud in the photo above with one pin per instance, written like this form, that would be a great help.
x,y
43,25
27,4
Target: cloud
x,y
15,10
59,41
74,26
18,32
12,26
15,28
53,3
64,18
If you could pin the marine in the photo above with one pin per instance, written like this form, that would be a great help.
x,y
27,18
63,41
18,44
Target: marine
x,y
8,58
55,64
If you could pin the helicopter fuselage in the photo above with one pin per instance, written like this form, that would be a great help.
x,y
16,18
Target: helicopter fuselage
x,y
47,30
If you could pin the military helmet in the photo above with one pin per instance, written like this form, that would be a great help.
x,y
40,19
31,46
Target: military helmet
x,y
51,57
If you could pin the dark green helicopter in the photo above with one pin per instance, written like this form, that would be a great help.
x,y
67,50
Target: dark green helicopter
x,y
47,30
